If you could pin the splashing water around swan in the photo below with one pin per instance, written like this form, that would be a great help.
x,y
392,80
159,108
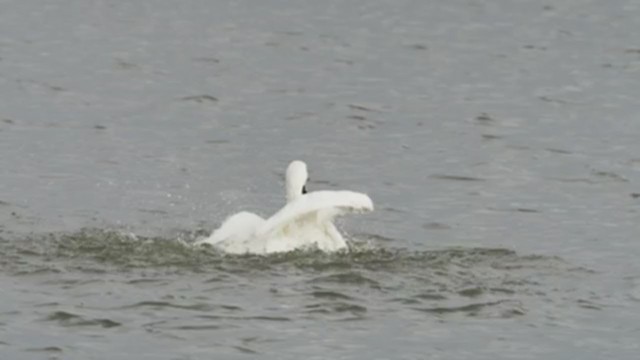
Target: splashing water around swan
x,y
306,221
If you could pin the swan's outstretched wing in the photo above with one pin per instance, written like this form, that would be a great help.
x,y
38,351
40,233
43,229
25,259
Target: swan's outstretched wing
x,y
327,204
238,228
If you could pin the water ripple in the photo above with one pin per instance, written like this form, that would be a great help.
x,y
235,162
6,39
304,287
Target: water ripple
x,y
204,290
500,308
164,304
68,319
350,277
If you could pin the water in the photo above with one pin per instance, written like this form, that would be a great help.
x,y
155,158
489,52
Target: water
x,y
497,139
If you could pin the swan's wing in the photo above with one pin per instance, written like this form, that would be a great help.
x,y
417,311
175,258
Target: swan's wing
x,y
237,228
328,204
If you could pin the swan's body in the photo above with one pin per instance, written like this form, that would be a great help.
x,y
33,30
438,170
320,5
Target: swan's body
x,y
306,221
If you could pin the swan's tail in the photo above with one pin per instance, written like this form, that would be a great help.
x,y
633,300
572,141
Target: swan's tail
x,y
240,226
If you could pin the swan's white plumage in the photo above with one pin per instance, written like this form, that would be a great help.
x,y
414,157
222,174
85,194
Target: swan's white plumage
x,y
297,177
325,204
306,221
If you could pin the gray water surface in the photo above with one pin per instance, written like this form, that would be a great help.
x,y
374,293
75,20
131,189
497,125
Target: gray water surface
x,y
498,140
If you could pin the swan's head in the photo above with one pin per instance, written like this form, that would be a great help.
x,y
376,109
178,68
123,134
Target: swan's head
x,y
297,177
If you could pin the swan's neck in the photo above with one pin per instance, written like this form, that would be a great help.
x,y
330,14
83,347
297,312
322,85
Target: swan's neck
x,y
297,177
292,195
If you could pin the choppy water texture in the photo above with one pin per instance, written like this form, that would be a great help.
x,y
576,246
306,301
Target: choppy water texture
x,y
498,139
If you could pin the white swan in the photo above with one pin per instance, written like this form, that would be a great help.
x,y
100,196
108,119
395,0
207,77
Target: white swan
x,y
304,222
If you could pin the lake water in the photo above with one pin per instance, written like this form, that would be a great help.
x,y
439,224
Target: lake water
x,y
498,140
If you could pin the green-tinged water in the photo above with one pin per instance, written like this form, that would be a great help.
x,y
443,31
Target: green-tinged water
x,y
102,285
